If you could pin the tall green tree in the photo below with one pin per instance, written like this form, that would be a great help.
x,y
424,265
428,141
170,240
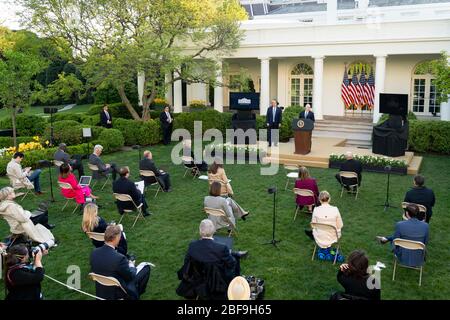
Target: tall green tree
x,y
441,69
18,67
117,39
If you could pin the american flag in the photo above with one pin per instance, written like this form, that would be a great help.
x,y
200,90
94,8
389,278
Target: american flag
x,y
344,90
371,84
353,89
365,91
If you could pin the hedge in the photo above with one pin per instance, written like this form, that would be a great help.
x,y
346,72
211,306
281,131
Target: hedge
x,y
68,131
210,119
150,133
117,110
26,124
111,140
130,130
6,142
429,136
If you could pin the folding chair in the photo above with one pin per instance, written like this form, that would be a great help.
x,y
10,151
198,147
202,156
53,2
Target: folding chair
x,y
58,163
325,227
97,175
410,245
107,281
96,236
422,211
292,175
219,213
12,183
148,173
127,198
67,186
188,160
303,193
349,175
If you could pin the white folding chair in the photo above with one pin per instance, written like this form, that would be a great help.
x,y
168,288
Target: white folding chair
x,y
219,213
149,174
27,191
96,236
127,198
410,245
354,188
67,186
326,228
292,174
107,281
303,193
96,175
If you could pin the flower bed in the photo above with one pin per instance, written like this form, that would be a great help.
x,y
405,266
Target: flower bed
x,y
235,152
371,163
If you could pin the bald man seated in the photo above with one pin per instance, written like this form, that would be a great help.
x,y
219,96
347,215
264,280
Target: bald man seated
x,y
162,177
350,165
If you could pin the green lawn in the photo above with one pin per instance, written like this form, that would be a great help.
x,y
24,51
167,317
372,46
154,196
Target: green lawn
x,y
289,272
39,111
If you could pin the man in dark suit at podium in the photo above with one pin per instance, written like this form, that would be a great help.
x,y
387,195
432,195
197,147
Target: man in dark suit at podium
x,y
273,120
307,113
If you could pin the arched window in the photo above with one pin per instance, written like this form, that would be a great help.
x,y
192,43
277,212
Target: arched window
x,y
301,79
423,90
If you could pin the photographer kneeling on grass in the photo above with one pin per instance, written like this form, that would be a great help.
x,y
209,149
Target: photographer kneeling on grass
x,y
23,278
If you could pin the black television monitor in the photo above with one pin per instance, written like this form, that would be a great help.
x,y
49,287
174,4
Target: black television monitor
x,y
396,104
244,101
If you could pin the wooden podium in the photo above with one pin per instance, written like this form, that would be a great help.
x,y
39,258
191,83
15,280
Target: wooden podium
x,y
302,134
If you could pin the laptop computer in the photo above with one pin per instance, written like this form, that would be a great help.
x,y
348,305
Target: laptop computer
x,y
85,181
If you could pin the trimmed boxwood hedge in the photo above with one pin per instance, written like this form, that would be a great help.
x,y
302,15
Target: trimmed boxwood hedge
x,y
111,140
26,124
6,142
429,136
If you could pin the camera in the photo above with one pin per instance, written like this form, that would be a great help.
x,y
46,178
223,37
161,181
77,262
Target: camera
x,y
43,246
256,287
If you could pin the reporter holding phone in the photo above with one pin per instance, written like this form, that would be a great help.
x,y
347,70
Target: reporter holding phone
x,y
23,178
23,278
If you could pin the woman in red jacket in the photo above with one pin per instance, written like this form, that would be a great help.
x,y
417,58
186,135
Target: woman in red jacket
x,y
306,182
78,192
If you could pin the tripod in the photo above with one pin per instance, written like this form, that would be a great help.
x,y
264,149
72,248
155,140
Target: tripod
x,y
386,203
48,164
273,241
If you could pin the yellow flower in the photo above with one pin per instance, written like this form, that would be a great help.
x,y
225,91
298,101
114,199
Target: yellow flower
x,y
47,142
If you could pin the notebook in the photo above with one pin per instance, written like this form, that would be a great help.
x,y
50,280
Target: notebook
x,y
85,181
140,185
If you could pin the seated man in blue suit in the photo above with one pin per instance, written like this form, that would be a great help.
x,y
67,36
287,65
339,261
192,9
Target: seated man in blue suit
x,y
273,120
420,194
307,113
106,261
211,258
124,185
411,229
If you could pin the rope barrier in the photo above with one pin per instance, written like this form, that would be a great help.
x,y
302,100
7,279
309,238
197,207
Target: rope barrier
x,y
72,288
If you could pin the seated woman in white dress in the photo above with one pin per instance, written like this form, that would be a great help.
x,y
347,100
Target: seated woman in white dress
x,y
229,206
19,220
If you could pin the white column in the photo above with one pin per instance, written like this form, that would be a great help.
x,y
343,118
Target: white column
x,y
168,89
265,86
140,86
445,106
380,75
318,87
332,11
218,90
177,95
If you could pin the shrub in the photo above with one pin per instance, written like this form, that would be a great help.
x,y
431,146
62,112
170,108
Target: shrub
x,y
68,131
91,120
197,104
67,116
429,136
289,114
159,104
130,130
385,116
210,119
117,110
6,142
111,140
26,124
150,133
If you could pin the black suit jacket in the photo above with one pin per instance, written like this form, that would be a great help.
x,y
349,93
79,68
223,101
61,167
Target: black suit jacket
x,y
352,165
310,115
210,251
423,196
163,118
148,164
126,186
104,119
108,262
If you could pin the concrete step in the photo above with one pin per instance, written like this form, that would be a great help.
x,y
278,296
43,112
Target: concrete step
x,y
302,162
